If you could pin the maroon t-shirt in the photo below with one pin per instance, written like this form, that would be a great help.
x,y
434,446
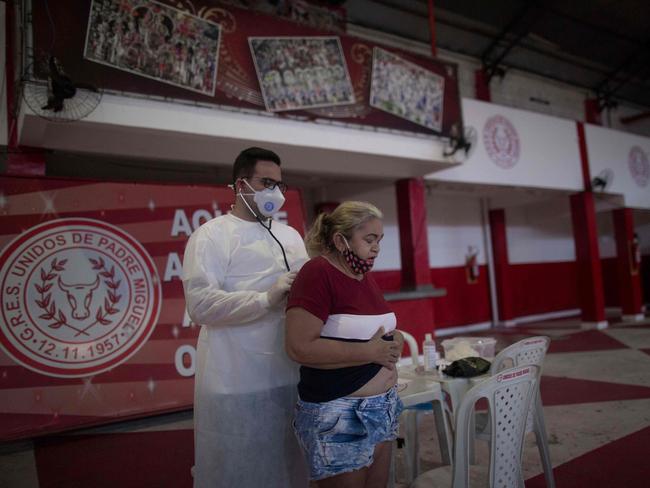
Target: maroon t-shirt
x,y
351,310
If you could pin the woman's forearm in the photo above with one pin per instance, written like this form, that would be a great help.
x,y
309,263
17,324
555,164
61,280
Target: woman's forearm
x,y
334,365
305,346
329,354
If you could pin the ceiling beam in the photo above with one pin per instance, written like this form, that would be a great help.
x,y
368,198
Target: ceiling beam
x,y
518,28
515,35
449,19
630,119
635,64
599,29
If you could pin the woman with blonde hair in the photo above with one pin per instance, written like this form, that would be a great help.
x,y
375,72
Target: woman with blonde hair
x,y
342,332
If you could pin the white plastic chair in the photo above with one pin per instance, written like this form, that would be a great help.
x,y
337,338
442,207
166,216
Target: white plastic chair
x,y
509,395
411,417
413,348
527,351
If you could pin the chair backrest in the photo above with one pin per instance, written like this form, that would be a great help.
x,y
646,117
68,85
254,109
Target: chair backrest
x,y
413,347
527,351
509,394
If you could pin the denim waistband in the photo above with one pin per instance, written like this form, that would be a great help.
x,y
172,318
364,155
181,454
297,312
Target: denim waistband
x,y
369,402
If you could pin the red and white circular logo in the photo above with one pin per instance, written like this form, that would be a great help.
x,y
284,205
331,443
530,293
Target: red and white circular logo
x,y
501,141
637,161
79,297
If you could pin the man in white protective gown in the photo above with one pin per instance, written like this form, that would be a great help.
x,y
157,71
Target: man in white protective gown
x,y
237,271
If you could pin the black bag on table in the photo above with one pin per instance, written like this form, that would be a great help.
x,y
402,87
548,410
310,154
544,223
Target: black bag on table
x,y
467,367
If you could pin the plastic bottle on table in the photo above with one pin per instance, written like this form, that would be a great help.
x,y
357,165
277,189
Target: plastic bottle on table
x,y
430,353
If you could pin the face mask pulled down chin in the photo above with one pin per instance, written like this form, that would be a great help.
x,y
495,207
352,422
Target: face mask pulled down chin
x,y
357,265
268,201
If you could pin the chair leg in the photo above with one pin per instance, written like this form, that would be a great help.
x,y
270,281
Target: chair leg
x,y
443,431
542,443
414,448
471,449
411,444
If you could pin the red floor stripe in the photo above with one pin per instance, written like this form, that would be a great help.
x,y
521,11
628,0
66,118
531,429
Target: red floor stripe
x,y
147,459
631,326
588,340
561,323
622,463
568,391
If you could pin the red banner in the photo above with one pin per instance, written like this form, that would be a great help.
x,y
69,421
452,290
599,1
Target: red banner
x,y
237,84
93,325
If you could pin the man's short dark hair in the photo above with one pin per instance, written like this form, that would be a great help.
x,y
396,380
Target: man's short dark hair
x,y
244,166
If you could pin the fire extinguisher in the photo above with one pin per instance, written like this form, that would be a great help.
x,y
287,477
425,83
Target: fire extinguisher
x,y
471,265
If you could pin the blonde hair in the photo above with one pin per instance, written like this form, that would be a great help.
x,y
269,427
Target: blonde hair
x,y
344,219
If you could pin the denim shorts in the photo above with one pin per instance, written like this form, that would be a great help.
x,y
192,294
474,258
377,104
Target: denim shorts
x,y
340,436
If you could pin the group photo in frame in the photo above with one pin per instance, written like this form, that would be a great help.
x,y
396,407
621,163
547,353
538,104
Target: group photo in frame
x,y
296,73
156,41
406,90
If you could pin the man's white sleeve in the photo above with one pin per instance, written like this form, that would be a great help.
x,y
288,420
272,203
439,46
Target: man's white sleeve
x,y
204,267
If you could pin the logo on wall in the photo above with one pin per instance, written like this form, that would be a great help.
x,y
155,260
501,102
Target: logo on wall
x,y
501,141
639,166
79,297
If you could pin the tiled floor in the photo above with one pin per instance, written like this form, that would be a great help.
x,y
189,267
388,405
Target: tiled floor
x,y
595,389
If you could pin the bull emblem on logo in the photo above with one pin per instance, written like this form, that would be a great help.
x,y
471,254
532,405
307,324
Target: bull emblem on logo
x,y
79,297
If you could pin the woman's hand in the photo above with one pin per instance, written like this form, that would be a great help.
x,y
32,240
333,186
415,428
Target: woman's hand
x,y
399,339
383,352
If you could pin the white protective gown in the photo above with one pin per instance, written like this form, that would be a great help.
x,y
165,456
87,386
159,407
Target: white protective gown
x,y
245,385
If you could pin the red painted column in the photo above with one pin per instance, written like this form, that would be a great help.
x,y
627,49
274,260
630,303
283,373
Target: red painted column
x,y
497,218
324,207
584,158
412,221
20,160
627,267
482,85
585,235
10,77
592,112
590,279
432,28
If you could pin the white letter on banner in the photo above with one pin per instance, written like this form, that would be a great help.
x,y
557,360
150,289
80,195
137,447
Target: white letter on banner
x,y
200,217
174,268
181,225
183,370
187,321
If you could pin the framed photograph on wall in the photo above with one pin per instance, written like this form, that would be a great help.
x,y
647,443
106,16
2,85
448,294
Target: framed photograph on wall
x,y
297,73
406,90
154,40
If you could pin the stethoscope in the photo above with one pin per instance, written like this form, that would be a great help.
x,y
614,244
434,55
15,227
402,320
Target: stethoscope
x,y
268,228
284,254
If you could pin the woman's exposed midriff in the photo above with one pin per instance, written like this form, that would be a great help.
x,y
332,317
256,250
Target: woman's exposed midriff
x,y
383,381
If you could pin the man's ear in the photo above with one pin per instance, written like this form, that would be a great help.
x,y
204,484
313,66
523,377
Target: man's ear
x,y
239,184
